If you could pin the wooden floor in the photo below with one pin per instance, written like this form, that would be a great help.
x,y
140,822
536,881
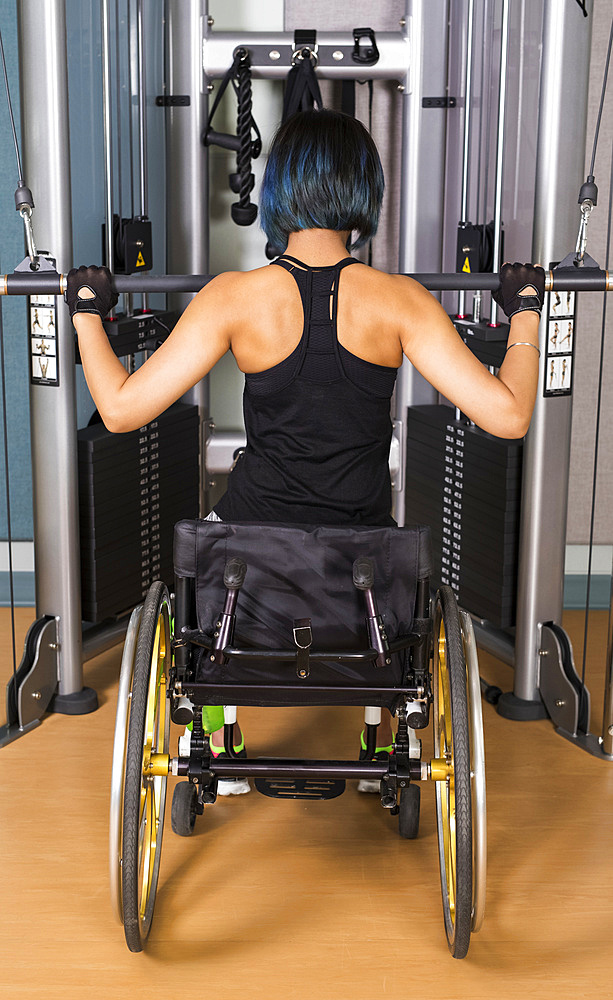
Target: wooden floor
x,y
301,900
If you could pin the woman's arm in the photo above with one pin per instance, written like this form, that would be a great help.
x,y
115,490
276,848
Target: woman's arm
x,y
199,339
502,404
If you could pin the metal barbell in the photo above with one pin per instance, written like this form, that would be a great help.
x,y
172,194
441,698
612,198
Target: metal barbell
x,y
570,279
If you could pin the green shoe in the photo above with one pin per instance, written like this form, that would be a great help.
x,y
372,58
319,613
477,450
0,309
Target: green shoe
x,y
372,785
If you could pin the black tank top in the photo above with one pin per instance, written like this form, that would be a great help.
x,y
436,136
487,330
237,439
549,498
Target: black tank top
x,y
318,425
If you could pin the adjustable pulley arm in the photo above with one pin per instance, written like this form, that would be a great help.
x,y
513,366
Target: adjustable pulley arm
x,y
589,279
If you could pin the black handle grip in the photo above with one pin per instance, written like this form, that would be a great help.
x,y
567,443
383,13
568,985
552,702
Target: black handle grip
x,y
363,573
222,139
234,574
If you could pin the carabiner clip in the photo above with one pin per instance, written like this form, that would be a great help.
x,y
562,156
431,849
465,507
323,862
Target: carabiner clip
x,y
305,52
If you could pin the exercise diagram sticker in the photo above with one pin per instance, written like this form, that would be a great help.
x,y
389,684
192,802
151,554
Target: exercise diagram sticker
x,y
559,348
43,340
559,372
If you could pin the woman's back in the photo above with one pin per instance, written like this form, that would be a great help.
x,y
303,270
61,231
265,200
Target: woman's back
x,y
268,316
317,412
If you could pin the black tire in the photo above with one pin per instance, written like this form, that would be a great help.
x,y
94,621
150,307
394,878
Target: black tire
x,y
408,816
144,796
183,812
453,795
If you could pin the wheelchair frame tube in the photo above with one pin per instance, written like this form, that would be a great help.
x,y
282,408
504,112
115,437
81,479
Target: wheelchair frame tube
x,y
421,653
226,694
333,769
184,616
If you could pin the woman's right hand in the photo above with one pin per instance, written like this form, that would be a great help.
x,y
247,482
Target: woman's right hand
x,y
522,288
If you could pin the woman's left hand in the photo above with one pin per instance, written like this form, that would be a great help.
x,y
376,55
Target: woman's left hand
x,y
89,290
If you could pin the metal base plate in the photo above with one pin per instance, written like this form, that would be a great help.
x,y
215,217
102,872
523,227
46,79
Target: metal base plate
x,y
586,741
8,734
300,788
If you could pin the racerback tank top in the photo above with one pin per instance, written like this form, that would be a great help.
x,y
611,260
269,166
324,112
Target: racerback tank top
x,y
318,425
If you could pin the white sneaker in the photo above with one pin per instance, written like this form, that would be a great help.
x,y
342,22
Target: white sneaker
x,y
233,786
185,743
369,785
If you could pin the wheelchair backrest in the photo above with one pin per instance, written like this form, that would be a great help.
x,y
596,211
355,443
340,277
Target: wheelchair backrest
x,y
303,572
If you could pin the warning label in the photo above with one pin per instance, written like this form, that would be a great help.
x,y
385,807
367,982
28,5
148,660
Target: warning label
x,y
466,265
140,260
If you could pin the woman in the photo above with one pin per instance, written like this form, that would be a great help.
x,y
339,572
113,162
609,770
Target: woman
x,y
319,337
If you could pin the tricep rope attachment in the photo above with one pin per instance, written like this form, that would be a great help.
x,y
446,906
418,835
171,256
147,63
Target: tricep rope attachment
x,y
244,212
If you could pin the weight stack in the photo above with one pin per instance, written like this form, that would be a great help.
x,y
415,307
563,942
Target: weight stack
x,y
466,485
132,489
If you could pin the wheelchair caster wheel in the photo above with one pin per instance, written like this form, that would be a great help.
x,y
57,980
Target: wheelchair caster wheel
x,y
183,812
408,818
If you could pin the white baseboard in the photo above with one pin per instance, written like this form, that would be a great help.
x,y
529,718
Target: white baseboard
x,y
23,557
577,559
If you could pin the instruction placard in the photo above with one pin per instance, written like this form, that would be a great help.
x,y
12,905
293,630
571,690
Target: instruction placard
x,y
559,348
43,340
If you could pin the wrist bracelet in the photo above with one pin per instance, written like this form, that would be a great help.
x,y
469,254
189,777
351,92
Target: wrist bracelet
x,y
524,343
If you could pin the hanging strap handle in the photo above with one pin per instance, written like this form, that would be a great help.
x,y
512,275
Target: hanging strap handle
x,y
302,91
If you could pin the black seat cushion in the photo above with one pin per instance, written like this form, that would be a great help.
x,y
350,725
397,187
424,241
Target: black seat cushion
x,y
303,572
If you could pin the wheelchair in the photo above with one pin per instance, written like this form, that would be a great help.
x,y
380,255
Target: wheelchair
x,y
278,615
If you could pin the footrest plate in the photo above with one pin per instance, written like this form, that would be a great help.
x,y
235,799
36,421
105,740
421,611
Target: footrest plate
x,y
300,788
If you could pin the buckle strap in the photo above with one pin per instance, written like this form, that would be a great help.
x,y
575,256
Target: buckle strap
x,y
303,637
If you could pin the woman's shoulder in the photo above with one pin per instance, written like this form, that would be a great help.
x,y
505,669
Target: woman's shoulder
x,y
371,288
394,284
244,282
234,291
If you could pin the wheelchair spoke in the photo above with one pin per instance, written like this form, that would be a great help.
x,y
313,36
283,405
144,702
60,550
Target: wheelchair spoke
x,y
147,853
451,743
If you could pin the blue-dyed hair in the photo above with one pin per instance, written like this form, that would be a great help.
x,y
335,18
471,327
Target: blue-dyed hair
x,y
323,172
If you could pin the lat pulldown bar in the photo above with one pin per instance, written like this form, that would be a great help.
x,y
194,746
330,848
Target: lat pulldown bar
x,y
569,279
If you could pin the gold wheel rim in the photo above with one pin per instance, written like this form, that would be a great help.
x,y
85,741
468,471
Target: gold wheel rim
x,y
152,789
446,789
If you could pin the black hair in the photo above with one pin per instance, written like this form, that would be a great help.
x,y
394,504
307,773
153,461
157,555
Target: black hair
x,y
323,172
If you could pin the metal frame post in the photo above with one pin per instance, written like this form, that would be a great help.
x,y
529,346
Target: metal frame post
x,y
470,28
422,183
46,150
502,104
187,247
563,113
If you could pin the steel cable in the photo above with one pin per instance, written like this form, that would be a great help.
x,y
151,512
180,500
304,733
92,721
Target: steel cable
x,y
597,434
7,486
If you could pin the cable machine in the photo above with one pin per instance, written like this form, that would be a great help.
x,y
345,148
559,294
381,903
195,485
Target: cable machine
x,y
197,55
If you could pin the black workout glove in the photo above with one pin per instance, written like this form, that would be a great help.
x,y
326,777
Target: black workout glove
x,y
90,279
514,280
